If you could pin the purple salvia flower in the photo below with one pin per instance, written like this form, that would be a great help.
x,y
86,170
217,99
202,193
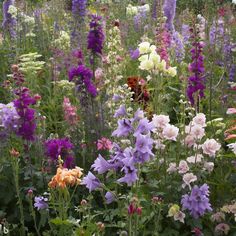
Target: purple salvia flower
x,y
9,22
197,202
96,37
91,182
169,8
60,147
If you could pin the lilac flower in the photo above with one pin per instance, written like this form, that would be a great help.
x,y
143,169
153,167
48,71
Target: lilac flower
x,y
109,197
144,127
121,111
124,128
9,118
79,8
85,79
40,203
178,46
130,176
144,144
60,147
154,9
197,202
9,22
134,54
101,165
185,33
91,182
27,124
169,12
96,36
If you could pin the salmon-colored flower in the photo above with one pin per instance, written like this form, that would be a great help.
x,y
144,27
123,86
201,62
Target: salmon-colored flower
x,y
65,177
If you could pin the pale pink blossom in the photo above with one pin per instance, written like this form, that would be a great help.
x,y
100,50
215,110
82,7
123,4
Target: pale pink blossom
x,y
210,147
104,144
99,74
160,121
179,216
159,145
189,140
170,132
195,159
197,132
172,168
188,179
200,119
209,166
231,111
183,167
70,112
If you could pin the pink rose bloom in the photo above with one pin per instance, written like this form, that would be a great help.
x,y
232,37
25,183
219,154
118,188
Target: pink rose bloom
x,y
104,144
160,121
200,119
209,166
231,111
172,168
189,140
210,147
188,179
197,132
170,132
195,159
183,167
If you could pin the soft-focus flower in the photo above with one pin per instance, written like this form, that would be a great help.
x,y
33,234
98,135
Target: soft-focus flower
x,y
160,121
91,182
172,168
120,112
40,203
183,167
188,179
169,12
70,112
65,178
104,144
197,202
222,229
210,147
195,159
200,119
175,212
232,146
124,128
170,132
60,147
109,197
231,111
209,166
101,165
218,217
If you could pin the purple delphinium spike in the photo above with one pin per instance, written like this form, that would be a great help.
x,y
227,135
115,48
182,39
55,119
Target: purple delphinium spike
x,y
197,202
177,43
96,37
9,22
169,8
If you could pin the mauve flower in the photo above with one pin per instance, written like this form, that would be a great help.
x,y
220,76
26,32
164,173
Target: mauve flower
x,y
40,203
101,165
104,144
218,217
188,179
124,128
197,132
172,168
160,121
231,111
210,147
91,182
197,202
183,167
170,132
109,197
9,22
195,159
144,144
134,54
169,12
70,112
120,112
222,229
200,119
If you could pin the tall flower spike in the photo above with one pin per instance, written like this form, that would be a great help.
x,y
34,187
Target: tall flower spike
x,y
9,21
169,12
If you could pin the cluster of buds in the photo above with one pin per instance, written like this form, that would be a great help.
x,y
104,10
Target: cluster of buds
x,y
134,207
65,177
